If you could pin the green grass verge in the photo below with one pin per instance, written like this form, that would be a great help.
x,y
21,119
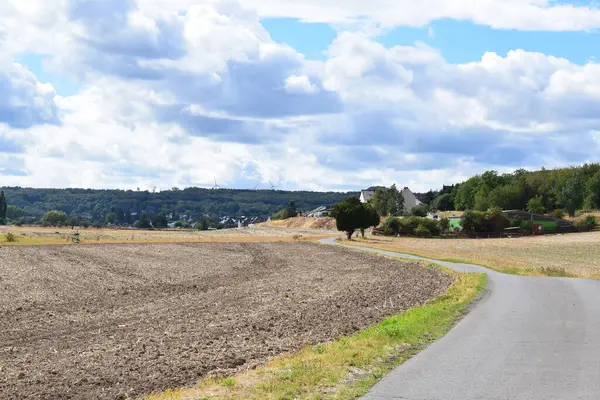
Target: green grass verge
x,y
350,366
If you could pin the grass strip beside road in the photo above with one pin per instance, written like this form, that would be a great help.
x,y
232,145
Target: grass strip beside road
x,y
350,366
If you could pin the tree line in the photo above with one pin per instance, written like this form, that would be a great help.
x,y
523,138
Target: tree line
x,y
125,207
544,191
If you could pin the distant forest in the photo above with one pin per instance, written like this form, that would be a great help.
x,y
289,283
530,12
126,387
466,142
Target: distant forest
x,y
544,191
192,204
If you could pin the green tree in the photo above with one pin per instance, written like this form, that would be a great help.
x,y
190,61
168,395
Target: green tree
x,y
419,211
112,218
291,210
444,202
14,212
573,192
3,208
144,221
72,222
351,215
507,197
369,218
536,205
464,194
395,202
444,225
159,221
54,218
592,198
380,201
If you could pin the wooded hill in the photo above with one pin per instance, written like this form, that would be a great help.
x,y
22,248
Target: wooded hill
x,y
189,204
543,191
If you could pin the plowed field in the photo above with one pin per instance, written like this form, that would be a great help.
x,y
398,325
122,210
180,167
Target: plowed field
x,y
119,321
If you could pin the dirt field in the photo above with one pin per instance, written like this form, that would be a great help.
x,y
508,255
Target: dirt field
x,y
34,235
118,321
577,253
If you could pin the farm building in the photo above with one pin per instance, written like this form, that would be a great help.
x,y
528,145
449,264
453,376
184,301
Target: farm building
x,y
318,212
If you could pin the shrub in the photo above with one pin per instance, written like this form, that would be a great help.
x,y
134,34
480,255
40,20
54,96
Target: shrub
x,y
394,226
473,221
444,225
498,220
558,214
526,225
409,224
11,237
391,226
419,211
484,222
422,231
588,223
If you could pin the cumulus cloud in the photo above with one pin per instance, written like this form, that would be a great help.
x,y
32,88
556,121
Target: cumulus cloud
x,y
25,101
179,93
526,15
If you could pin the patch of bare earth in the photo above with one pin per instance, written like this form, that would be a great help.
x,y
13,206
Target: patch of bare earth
x,y
118,321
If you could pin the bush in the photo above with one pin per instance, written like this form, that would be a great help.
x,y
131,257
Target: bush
x,y
11,237
588,223
497,220
391,226
526,226
410,226
558,214
444,225
419,211
484,222
422,231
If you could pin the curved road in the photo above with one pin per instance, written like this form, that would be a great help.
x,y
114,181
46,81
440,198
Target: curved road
x,y
529,338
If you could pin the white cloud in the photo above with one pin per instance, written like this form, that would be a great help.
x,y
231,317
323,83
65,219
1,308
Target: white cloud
x,y
24,101
527,15
228,102
300,84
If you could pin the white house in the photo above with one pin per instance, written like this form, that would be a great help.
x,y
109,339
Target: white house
x,y
367,194
410,200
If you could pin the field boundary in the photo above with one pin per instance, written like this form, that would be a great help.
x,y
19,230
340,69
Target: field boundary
x,y
547,272
348,367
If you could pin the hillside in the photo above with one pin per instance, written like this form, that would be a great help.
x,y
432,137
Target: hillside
x,y
189,204
304,223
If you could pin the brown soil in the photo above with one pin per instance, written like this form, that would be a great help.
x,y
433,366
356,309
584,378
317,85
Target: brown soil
x,y
108,322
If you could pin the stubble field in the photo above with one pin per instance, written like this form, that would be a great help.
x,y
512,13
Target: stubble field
x,y
119,321
36,235
577,254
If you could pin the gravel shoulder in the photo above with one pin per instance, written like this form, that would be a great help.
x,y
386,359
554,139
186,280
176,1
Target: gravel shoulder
x,y
118,321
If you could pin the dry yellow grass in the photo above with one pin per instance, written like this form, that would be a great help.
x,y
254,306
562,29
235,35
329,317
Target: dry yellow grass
x,y
578,254
304,223
39,236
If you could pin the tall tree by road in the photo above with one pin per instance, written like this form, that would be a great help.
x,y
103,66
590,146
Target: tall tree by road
x,y
3,208
351,215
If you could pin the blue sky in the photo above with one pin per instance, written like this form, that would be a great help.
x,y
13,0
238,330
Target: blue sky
x,y
458,41
310,95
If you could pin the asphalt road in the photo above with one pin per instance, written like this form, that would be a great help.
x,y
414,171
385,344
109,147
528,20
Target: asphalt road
x,y
529,338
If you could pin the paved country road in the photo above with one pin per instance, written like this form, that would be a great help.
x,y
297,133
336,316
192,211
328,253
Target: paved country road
x,y
529,338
